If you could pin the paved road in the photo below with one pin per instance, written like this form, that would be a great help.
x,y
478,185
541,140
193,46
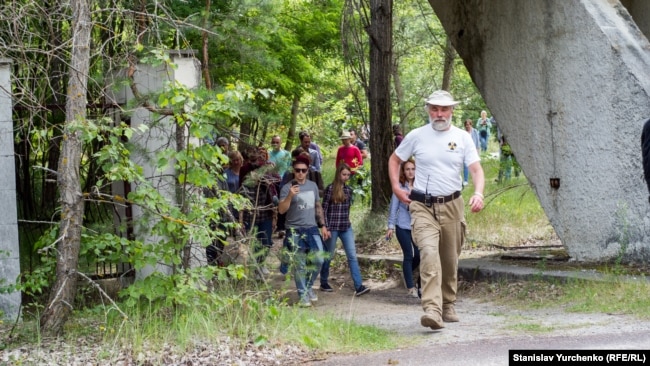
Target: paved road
x,y
493,351
486,331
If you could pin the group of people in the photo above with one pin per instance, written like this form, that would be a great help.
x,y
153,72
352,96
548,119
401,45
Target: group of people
x,y
427,212
480,134
310,227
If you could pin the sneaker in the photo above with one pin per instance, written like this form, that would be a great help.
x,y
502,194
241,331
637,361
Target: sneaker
x,y
265,271
312,295
431,320
326,287
413,292
362,290
449,314
465,183
304,302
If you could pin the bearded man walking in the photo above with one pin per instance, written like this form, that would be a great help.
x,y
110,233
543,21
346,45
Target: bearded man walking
x,y
437,209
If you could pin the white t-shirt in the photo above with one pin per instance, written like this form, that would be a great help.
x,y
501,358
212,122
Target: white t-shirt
x,y
439,158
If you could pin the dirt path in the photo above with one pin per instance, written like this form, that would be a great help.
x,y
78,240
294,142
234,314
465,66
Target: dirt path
x,y
387,306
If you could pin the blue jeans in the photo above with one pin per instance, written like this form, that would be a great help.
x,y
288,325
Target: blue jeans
x,y
263,243
483,142
411,255
347,238
307,247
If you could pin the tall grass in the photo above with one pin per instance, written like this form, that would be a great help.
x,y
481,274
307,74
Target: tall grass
x,y
263,318
512,214
616,295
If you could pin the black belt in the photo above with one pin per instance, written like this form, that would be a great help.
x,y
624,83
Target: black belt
x,y
429,200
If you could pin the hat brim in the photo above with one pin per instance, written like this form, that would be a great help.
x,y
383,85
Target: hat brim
x,y
446,103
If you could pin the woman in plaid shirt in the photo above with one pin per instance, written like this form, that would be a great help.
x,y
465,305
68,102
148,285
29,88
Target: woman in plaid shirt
x,y
337,200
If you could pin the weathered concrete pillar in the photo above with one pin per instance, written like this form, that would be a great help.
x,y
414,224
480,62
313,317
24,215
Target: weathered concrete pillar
x,y
640,12
567,82
160,136
9,252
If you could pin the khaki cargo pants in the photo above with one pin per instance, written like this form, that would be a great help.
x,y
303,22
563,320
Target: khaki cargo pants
x,y
439,239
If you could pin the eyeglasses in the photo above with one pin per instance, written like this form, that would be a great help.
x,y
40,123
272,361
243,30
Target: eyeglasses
x,y
298,170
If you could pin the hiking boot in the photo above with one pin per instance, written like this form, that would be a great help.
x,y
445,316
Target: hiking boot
x,y
312,295
431,320
449,314
326,287
304,302
413,292
362,290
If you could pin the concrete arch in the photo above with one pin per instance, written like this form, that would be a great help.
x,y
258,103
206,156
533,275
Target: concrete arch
x,y
568,83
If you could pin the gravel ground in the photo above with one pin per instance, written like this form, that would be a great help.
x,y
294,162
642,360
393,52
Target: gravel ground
x,y
386,306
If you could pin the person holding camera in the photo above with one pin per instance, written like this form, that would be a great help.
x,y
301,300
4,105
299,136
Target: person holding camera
x,y
435,203
305,223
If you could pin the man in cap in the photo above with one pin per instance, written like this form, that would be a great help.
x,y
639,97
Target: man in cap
x,y
435,203
348,153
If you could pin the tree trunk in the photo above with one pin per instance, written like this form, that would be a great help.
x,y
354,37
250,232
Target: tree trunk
x,y
72,205
399,94
448,71
291,135
206,56
381,49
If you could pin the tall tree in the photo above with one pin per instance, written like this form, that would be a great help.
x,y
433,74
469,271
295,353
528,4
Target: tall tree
x,y
63,292
380,34
448,69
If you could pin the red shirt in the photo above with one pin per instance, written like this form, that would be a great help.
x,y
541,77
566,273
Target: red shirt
x,y
349,155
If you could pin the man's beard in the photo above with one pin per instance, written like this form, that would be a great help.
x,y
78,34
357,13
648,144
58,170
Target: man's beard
x,y
441,124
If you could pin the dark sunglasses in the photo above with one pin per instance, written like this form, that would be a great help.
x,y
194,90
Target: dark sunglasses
x,y
298,170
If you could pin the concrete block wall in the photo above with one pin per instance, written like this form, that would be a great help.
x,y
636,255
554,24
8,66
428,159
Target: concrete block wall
x,y
159,137
9,245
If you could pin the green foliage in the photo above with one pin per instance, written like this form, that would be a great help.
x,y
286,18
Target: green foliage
x,y
168,223
361,183
251,317
42,276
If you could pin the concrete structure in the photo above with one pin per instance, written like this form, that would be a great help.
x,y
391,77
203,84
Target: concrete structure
x,y
9,252
160,136
568,83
